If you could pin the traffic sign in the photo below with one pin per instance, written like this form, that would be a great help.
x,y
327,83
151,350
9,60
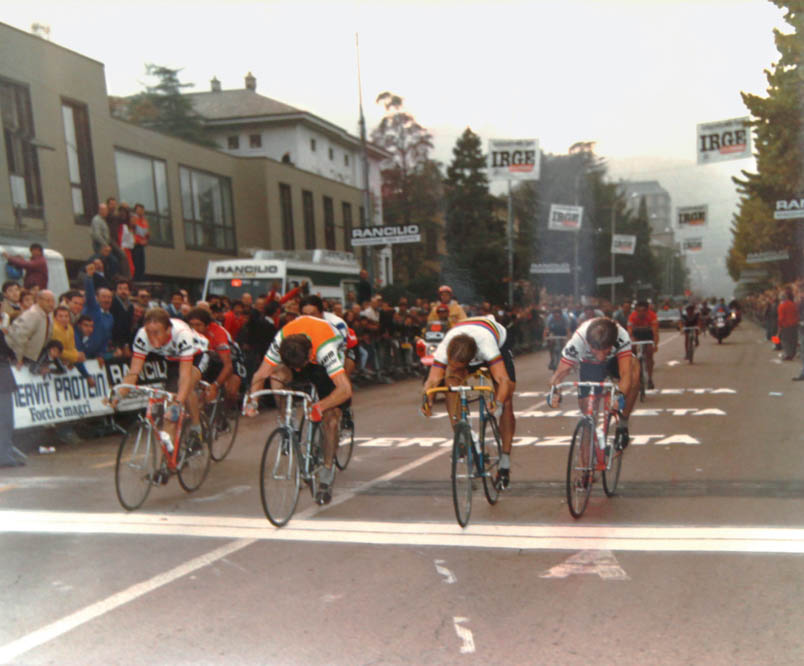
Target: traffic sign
x,y
616,279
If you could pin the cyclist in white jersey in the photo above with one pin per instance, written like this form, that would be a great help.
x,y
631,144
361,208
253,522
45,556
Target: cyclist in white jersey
x,y
602,349
470,344
185,353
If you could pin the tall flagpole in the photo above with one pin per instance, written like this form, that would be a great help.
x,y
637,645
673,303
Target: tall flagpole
x,y
364,222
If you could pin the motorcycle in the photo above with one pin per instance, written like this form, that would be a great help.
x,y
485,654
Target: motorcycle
x,y
720,327
426,346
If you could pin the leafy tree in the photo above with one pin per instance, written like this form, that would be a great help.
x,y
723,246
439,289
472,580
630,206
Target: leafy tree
x,y
476,264
411,186
778,121
163,108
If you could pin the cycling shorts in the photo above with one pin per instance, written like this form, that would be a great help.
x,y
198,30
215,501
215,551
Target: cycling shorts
x,y
315,374
598,372
643,333
200,361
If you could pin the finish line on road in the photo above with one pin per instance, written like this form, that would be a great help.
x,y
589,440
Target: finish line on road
x,y
644,538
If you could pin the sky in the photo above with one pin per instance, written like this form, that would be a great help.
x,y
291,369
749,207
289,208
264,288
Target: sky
x,y
635,76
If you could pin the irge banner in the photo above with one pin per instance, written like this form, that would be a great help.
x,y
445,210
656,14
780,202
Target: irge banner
x,y
565,218
691,216
724,140
514,159
623,244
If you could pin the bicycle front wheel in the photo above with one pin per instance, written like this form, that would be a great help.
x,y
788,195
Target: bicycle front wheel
x,y
279,477
346,443
691,347
194,460
135,467
223,429
462,473
580,466
492,450
614,457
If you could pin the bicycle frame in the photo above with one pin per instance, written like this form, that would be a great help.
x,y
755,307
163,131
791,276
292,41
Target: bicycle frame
x,y
157,398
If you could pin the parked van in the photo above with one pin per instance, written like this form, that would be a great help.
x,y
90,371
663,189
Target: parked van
x,y
329,273
57,281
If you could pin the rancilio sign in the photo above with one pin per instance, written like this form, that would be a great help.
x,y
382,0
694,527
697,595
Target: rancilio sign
x,y
386,235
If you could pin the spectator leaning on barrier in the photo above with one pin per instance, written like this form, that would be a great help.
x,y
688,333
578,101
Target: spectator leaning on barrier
x,y
11,308
35,267
8,455
97,307
31,330
74,301
64,333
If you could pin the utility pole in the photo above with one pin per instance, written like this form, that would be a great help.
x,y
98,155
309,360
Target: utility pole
x,y
364,222
613,210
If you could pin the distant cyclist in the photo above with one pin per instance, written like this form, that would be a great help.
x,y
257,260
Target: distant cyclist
x,y
308,350
690,318
469,345
557,324
602,349
643,324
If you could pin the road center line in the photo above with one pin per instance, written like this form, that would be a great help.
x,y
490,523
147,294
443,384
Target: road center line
x,y
14,649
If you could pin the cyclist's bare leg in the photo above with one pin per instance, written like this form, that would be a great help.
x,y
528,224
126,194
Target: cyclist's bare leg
x,y
281,376
454,376
330,429
633,392
232,386
193,400
649,359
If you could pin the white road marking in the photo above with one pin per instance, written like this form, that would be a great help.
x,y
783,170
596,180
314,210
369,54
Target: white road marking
x,y
671,363
235,490
645,538
595,562
468,645
10,651
449,577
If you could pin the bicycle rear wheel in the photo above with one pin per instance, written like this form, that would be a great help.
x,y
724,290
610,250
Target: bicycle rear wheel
x,y
135,467
614,458
223,429
462,473
580,465
492,450
643,378
194,460
279,476
346,443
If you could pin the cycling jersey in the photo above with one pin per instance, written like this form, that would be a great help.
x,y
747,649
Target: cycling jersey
x,y
577,350
690,320
646,320
326,351
184,343
485,331
348,335
558,325
219,340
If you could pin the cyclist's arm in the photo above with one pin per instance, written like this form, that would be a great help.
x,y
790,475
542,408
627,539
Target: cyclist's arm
x,y
624,366
655,326
505,387
561,372
265,371
434,378
228,368
342,392
137,363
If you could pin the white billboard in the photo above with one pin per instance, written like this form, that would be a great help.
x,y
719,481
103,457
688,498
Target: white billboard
x,y
691,216
724,140
692,245
549,269
386,235
565,218
623,244
789,209
513,159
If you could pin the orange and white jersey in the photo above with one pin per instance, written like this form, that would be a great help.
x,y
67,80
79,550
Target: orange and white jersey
x,y
327,349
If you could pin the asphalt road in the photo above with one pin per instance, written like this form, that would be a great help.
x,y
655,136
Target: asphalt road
x,y
697,560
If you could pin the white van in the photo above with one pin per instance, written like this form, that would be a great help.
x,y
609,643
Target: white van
x,y
57,281
329,273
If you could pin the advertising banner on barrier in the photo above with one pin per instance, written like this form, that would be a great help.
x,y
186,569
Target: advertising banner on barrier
x,y
565,218
623,244
59,398
691,216
724,140
513,159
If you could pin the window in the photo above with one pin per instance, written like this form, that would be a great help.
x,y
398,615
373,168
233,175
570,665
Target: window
x,y
286,204
309,220
255,140
346,159
331,154
233,142
347,225
79,161
206,202
21,157
329,223
143,179
312,145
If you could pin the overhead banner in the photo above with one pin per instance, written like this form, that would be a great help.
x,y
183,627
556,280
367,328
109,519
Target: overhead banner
x,y
513,159
764,257
789,209
565,218
59,398
724,140
623,244
549,269
691,216
386,235
692,244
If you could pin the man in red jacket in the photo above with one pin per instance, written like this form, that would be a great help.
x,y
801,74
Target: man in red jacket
x,y
35,267
787,319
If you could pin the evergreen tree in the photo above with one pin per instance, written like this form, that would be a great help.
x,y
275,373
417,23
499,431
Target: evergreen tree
x,y
163,108
778,121
476,264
